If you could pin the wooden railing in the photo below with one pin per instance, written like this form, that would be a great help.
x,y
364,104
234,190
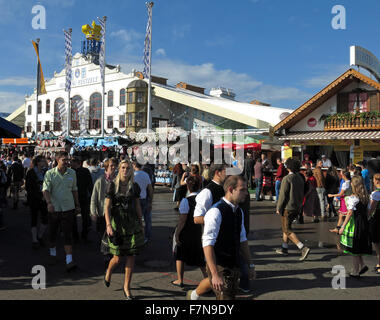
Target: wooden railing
x,y
353,123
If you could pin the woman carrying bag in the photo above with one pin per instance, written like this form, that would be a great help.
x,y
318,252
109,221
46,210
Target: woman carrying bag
x,y
123,224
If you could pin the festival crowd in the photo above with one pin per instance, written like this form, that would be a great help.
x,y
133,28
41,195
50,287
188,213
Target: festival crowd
x,y
116,197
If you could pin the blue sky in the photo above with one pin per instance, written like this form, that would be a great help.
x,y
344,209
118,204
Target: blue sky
x,y
276,51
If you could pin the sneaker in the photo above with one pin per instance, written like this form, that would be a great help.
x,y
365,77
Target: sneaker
x,y
304,252
71,266
282,251
188,294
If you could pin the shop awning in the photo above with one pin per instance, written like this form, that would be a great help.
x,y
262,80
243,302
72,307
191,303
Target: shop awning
x,y
332,135
256,146
15,141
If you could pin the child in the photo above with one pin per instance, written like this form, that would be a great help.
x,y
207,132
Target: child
x,y
355,229
345,190
374,222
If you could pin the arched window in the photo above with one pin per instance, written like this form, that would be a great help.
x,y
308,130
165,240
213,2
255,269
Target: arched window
x,y
110,98
48,106
39,107
57,115
95,110
29,110
122,97
75,101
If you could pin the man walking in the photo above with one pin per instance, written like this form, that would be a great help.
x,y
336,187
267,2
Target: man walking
x,y
281,173
61,195
321,187
16,176
146,197
210,195
289,205
85,186
224,239
249,164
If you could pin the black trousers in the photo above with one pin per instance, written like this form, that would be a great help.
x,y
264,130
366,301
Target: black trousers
x,y
85,215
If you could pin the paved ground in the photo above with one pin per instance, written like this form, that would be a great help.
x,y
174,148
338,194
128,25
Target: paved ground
x,y
278,278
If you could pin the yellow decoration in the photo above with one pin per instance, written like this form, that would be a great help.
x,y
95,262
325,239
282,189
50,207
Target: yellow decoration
x,y
92,32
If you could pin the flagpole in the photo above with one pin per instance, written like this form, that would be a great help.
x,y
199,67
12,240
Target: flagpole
x,y
103,49
148,114
69,96
38,83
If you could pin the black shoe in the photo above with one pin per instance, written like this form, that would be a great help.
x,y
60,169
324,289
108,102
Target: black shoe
x,y
180,285
106,283
363,270
128,297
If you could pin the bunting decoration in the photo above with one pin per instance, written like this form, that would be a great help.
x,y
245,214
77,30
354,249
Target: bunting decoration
x,y
68,59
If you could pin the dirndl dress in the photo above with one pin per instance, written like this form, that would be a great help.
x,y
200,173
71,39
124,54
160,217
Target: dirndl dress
x,y
374,222
125,222
356,237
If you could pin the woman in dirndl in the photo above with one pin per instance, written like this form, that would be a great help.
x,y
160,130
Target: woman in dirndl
x,y
123,224
374,222
355,236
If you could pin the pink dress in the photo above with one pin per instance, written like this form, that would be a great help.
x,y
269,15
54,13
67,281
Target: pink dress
x,y
343,208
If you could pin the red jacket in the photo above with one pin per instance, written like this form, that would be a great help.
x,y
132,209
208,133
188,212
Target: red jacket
x,y
281,172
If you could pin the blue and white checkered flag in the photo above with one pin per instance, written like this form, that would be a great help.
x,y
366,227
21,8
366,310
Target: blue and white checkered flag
x,y
102,52
148,42
63,115
68,60
82,117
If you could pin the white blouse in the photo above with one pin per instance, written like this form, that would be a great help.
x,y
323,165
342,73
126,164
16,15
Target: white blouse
x,y
351,202
375,196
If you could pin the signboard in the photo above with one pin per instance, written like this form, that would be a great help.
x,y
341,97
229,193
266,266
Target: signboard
x,y
286,152
363,58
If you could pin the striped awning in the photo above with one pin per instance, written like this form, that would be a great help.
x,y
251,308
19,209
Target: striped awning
x,y
331,135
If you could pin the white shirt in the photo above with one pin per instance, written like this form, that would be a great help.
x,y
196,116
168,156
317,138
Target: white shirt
x,y
375,196
213,220
346,185
143,180
326,163
184,205
204,202
26,163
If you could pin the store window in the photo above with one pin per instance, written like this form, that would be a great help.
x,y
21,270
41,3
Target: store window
x,y
57,115
110,122
95,110
122,97
29,127
121,121
47,126
48,106
110,98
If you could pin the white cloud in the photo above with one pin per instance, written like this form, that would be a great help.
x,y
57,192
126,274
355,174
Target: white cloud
x,y
18,81
324,76
127,35
180,32
161,52
10,101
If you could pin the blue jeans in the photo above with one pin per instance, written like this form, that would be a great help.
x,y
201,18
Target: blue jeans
x,y
259,186
147,218
277,188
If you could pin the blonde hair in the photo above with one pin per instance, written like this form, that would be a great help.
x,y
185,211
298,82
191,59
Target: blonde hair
x,y
359,189
376,180
130,176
